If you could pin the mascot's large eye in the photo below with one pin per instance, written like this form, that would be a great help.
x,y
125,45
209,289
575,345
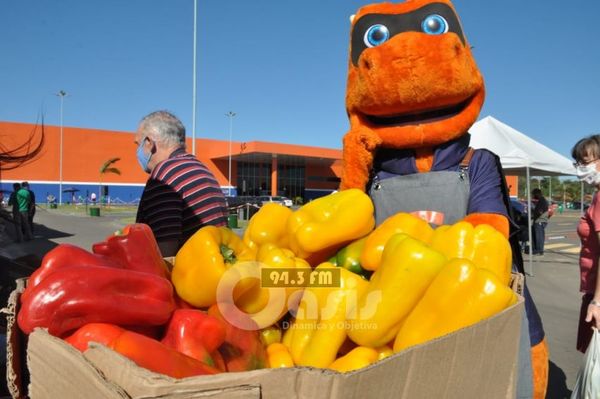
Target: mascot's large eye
x,y
376,35
434,24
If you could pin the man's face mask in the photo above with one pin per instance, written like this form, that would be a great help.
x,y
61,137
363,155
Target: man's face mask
x,y
588,174
142,157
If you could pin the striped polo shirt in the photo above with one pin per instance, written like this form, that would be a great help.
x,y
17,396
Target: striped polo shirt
x,y
181,196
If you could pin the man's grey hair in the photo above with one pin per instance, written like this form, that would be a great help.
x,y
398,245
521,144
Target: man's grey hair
x,y
164,127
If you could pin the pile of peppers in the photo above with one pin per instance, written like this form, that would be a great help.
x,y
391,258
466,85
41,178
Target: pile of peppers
x,y
219,309
120,295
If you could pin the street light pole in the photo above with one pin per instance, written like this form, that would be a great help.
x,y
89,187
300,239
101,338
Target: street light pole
x,y
230,114
62,94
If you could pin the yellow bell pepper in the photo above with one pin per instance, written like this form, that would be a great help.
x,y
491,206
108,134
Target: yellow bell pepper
x,y
268,226
202,261
278,356
483,244
256,298
270,335
383,352
407,268
461,295
357,358
320,328
406,223
318,229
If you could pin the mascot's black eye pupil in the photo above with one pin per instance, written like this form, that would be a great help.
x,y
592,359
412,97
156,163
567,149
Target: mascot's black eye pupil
x,y
434,25
376,35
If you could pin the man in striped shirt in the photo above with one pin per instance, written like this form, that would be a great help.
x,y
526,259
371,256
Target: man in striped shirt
x,y
181,194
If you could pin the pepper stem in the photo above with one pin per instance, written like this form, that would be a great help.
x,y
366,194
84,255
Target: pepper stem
x,y
228,254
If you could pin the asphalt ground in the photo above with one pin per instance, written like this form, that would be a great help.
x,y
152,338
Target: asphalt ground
x,y
553,279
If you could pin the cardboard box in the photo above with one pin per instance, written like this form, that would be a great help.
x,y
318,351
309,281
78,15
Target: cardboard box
x,y
476,362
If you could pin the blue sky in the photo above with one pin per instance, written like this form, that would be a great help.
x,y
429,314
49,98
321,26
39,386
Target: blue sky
x,y
279,65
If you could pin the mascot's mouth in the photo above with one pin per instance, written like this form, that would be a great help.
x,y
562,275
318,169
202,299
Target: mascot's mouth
x,y
417,118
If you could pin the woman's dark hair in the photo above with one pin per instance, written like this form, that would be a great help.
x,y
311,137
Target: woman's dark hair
x,y
15,157
589,145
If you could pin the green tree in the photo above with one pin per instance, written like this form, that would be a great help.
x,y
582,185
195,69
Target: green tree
x,y
107,167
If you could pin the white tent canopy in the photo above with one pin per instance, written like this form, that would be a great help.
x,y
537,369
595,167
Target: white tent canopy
x,y
519,155
517,151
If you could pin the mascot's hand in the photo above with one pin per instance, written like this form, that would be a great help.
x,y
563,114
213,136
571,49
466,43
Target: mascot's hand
x,y
359,149
499,222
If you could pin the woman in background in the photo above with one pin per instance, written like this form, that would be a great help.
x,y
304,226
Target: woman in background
x,y
586,154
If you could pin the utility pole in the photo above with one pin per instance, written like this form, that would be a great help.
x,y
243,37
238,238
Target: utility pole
x,y
62,94
230,114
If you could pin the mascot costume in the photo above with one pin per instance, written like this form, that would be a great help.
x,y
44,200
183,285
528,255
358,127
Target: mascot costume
x,y
413,92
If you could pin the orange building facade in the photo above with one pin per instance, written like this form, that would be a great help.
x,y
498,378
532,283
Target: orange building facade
x,y
257,168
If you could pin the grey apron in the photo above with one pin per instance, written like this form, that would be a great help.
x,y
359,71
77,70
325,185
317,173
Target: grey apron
x,y
439,197
442,198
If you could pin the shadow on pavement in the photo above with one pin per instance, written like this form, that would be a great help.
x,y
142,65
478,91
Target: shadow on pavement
x,y
557,383
46,232
18,260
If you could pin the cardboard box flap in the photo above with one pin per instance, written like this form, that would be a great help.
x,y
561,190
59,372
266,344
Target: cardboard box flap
x,y
56,367
15,367
475,362
141,383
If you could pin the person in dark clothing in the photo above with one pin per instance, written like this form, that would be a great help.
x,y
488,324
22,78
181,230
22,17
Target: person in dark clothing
x,y
19,200
31,212
539,221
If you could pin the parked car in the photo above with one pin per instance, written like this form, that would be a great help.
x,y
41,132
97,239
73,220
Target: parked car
x,y
264,199
242,200
577,205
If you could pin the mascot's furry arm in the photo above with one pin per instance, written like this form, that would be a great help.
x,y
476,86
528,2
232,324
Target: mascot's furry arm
x,y
410,86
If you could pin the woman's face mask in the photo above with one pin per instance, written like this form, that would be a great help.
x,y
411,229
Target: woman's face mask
x,y
588,174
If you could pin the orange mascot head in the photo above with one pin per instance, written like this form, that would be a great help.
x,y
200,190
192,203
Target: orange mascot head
x,y
412,83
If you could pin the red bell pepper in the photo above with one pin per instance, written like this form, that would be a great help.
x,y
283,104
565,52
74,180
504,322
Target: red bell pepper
x,y
242,349
65,255
135,249
195,333
145,352
76,295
